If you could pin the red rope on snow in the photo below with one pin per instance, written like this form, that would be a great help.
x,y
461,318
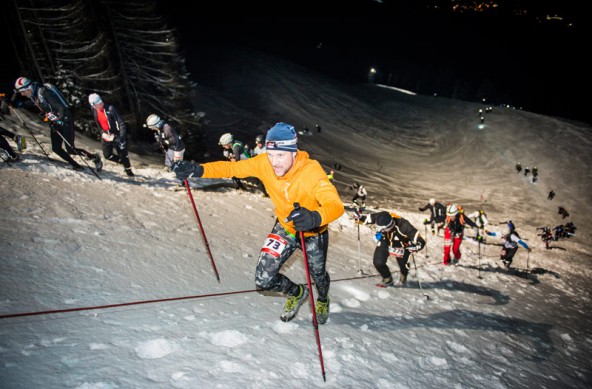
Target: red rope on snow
x,y
148,301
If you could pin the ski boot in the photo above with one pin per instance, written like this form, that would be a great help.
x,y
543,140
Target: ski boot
x,y
322,311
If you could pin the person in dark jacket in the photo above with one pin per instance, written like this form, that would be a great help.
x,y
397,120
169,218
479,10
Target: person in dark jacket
x,y
437,215
8,154
453,234
510,241
51,102
113,132
396,237
168,139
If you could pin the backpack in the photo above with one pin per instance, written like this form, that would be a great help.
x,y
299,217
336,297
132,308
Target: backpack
x,y
57,93
244,152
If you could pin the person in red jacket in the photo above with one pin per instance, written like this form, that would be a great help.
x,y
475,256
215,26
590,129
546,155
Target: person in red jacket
x,y
113,132
304,200
453,234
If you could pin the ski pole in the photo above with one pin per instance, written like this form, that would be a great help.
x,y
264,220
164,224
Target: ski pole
x,y
417,276
479,262
527,259
203,234
425,226
360,271
312,307
30,132
78,154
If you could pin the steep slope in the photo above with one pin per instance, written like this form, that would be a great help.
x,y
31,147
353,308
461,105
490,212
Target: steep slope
x,y
400,145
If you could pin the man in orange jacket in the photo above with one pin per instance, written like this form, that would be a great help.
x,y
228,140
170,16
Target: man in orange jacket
x,y
290,177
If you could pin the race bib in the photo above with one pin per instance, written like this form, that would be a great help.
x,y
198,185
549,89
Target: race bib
x,y
274,245
108,137
396,251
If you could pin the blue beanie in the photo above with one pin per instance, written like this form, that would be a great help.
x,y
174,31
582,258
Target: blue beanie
x,y
282,136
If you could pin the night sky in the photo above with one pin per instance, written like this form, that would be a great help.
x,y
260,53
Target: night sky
x,y
534,64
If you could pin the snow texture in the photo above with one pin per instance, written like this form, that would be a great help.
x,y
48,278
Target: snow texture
x,y
86,248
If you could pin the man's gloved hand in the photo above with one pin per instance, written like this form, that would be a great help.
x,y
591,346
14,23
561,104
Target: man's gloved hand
x,y
185,169
303,219
426,221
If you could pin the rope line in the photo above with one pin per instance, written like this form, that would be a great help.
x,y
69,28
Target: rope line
x,y
90,308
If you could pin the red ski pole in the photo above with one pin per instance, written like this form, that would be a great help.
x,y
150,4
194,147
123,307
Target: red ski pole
x,y
203,234
312,307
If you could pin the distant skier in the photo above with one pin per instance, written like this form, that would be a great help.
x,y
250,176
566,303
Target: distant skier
x,y
437,215
259,145
535,174
50,101
453,234
510,240
167,138
551,195
526,171
518,167
480,219
397,237
318,128
331,175
113,132
359,198
563,212
234,150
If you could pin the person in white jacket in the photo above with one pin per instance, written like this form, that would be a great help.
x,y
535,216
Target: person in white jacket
x,y
510,241
480,219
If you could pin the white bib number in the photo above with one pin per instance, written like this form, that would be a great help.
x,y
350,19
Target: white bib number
x,y
274,245
397,251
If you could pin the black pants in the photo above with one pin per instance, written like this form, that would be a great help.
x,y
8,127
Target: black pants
x,y
121,156
278,248
381,256
508,254
62,134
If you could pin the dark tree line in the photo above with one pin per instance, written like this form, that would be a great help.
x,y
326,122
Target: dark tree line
x,y
122,50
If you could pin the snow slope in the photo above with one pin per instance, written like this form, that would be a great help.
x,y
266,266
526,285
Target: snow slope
x,y
126,262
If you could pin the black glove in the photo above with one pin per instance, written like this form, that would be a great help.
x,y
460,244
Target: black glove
x,y
303,219
185,169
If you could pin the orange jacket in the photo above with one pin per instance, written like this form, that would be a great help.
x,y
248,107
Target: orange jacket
x,y
306,183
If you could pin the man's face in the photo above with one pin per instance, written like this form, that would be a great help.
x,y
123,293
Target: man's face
x,y
281,161
227,146
26,92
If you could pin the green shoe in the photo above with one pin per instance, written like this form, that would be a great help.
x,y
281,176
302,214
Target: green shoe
x,y
293,304
21,142
322,310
